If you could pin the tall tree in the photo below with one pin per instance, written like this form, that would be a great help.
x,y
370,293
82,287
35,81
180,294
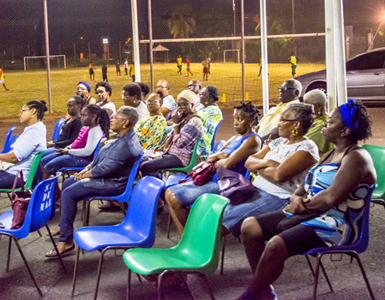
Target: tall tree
x,y
181,22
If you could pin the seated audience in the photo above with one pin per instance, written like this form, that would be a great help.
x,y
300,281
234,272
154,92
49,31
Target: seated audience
x,y
70,128
80,153
29,143
211,115
339,203
178,147
281,166
106,175
232,156
150,129
145,90
132,96
288,93
317,99
195,86
83,90
103,90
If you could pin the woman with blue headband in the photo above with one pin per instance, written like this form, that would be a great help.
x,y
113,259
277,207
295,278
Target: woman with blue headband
x,y
331,209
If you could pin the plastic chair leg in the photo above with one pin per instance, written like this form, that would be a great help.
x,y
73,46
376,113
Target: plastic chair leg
x,y
223,254
355,255
206,281
99,273
54,244
316,274
323,271
75,271
29,270
9,252
168,224
128,296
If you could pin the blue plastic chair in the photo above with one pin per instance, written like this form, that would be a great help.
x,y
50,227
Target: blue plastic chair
x,y
125,197
67,170
352,250
56,131
7,145
137,229
214,135
38,214
12,139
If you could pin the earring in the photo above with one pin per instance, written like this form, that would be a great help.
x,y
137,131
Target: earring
x,y
124,126
294,132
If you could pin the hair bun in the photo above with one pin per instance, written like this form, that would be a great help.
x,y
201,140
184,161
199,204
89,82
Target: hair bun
x,y
44,105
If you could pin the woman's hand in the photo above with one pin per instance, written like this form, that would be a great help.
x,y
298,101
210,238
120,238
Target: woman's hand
x,y
298,205
50,144
62,151
83,174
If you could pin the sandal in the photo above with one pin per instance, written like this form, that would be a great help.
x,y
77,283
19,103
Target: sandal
x,y
52,253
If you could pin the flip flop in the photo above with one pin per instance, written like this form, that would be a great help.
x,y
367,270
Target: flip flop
x,y
52,253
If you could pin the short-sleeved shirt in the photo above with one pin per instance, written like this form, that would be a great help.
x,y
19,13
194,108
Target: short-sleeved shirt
x,y
179,60
150,131
29,143
210,116
279,151
169,103
111,106
142,110
316,136
271,119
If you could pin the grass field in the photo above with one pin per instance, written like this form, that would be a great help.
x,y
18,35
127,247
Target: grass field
x,y
227,78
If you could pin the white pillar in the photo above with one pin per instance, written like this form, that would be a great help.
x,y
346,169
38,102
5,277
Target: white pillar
x,y
47,55
339,42
135,39
265,78
329,47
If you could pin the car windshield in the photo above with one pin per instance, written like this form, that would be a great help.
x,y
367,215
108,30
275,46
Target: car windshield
x,y
374,60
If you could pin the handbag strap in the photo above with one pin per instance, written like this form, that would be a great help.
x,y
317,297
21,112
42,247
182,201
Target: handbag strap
x,y
21,181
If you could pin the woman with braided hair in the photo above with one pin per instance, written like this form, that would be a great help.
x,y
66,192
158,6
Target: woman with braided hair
x,y
232,155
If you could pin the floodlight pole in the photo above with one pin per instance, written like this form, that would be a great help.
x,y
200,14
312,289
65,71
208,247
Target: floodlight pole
x,y
265,79
329,54
150,45
135,39
47,55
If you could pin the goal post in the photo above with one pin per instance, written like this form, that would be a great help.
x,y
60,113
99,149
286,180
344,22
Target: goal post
x,y
231,50
61,60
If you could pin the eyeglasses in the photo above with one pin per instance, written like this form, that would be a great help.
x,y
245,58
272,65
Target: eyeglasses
x,y
115,117
161,87
287,120
24,109
191,85
100,92
152,101
125,96
286,88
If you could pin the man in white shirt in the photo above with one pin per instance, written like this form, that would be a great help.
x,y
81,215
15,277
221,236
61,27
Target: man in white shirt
x,y
169,105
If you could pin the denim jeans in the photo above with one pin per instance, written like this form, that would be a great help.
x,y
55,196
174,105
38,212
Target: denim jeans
x,y
53,162
7,179
74,191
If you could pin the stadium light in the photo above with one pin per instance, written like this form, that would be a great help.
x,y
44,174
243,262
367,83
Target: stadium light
x,y
381,18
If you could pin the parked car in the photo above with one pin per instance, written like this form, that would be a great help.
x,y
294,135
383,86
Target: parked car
x,y
365,74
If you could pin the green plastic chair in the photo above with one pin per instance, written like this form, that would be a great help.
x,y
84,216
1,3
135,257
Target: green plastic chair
x,y
31,174
197,251
191,165
378,155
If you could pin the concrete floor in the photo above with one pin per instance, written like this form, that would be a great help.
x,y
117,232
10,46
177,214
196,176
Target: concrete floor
x,y
296,281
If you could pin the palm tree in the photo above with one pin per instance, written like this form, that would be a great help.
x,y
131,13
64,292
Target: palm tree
x,y
181,22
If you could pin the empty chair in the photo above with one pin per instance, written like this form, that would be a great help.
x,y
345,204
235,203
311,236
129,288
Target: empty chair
x,y
57,128
136,230
7,142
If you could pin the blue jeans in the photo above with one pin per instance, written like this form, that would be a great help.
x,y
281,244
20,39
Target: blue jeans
x,y
7,179
261,203
53,162
74,191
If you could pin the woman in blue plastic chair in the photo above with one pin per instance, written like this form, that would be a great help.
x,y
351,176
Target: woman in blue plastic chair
x,y
80,153
29,143
232,155
333,190
107,175
71,127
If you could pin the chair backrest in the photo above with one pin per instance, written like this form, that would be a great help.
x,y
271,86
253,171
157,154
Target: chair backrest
x,y
378,156
97,148
202,233
56,131
142,209
128,191
7,146
192,163
32,170
214,135
39,208
218,146
12,140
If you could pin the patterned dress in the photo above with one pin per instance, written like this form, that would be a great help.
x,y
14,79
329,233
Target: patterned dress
x,y
150,131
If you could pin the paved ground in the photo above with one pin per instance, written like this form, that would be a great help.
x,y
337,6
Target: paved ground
x,y
295,282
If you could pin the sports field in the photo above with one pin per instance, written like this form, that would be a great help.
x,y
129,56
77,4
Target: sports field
x,y
24,86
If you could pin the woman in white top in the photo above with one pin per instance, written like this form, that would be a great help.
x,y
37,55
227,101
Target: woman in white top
x,y
80,153
132,95
104,91
281,166
30,142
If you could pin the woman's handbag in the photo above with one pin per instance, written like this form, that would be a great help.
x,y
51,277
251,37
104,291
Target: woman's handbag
x,y
20,201
234,186
201,173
